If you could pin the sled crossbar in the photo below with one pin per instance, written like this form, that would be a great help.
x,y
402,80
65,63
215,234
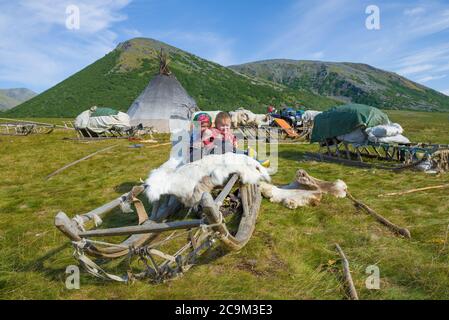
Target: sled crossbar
x,y
142,229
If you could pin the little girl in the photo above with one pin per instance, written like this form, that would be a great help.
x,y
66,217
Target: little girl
x,y
202,136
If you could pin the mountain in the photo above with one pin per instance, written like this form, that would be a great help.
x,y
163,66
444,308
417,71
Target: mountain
x,y
118,78
348,82
10,98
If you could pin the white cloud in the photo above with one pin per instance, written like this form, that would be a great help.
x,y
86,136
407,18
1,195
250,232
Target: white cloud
x,y
38,51
446,92
132,33
425,65
414,69
431,78
317,55
306,27
414,11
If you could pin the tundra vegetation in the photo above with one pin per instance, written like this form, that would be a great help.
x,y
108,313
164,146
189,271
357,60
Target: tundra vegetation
x,y
290,256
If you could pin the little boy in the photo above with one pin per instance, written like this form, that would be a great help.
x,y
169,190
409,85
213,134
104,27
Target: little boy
x,y
224,138
222,133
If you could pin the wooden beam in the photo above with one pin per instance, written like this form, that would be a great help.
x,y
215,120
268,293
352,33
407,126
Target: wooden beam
x,y
143,229
347,274
402,231
78,161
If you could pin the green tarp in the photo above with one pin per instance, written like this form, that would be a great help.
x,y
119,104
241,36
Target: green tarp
x,y
104,112
344,119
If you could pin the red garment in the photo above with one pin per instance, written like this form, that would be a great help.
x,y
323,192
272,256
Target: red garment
x,y
226,136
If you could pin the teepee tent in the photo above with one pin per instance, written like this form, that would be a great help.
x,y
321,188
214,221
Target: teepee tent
x,y
164,104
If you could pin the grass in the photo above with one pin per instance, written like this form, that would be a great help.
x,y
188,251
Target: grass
x,y
290,256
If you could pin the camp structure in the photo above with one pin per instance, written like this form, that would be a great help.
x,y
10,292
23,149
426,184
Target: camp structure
x,y
344,134
15,127
164,104
102,123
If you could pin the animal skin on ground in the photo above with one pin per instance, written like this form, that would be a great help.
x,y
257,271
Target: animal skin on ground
x,y
188,182
305,190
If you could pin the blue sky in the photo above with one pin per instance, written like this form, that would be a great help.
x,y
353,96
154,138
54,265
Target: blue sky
x,y
37,50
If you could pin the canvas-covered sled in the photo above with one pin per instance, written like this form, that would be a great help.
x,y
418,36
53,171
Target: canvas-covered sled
x,y
363,136
105,123
169,240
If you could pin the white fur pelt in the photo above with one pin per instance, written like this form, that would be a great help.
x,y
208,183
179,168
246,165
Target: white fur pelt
x,y
303,191
243,117
188,182
310,115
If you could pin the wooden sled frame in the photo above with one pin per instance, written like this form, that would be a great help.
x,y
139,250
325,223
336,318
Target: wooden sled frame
x,y
144,239
265,133
24,129
391,156
86,135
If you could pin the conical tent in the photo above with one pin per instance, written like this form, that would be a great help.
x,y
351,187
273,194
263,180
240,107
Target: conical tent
x,y
164,104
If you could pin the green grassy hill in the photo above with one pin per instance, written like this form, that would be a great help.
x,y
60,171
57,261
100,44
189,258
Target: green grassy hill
x,y
352,82
118,78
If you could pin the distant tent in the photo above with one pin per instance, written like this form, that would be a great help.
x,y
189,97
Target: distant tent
x,y
164,104
100,120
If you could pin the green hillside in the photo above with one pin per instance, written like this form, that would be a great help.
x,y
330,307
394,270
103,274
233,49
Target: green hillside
x,y
9,98
118,78
349,82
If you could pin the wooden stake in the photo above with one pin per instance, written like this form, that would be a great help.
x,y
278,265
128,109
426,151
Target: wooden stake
x,y
402,231
347,274
78,161
413,191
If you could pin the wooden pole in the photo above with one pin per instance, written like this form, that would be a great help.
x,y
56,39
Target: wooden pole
x,y
413,191
78,161
402,231
142,229
347,274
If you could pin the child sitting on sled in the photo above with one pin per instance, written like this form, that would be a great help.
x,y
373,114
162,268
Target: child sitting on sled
x,y
220,139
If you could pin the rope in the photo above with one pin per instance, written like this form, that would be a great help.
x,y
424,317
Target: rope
x,y
97,220
80,222
90,266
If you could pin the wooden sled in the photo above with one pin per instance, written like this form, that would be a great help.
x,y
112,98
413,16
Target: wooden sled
x,y
274,134
88,135
385,156
229,217
24,129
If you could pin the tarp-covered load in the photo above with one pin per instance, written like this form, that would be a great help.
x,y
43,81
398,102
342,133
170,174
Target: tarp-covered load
x,y
101,120
345,119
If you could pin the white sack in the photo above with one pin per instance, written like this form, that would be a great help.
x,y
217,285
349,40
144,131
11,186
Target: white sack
x,y
356,136
395,139
389,130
